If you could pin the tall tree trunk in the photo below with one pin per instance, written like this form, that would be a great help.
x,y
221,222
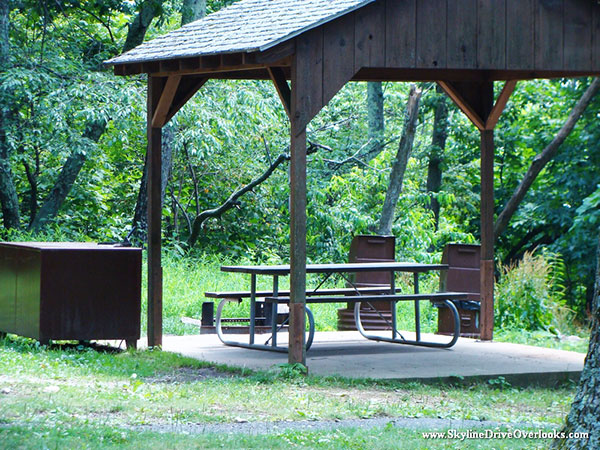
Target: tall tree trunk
x,y
140,223
8,192
540,161
32,178
192,10
4,26
438,145
401,161
66,179
584,416
140,217
375,119
149,9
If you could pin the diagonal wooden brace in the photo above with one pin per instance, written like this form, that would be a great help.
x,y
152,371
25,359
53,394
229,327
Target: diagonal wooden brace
x,y
465,96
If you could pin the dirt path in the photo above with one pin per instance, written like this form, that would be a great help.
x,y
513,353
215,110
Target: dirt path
x,y
254,428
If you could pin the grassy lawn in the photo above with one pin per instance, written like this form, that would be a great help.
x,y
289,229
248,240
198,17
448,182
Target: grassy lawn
x,y
77,397
70,436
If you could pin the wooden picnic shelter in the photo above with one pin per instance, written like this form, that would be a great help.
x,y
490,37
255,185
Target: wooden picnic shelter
x,y
311,48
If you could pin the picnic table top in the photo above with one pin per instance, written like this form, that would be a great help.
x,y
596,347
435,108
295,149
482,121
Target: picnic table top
x,y
284,269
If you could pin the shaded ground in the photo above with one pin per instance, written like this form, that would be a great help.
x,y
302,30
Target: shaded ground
x,y
188,375
319,425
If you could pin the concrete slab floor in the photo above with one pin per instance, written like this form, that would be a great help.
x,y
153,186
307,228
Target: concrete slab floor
x,y
348,354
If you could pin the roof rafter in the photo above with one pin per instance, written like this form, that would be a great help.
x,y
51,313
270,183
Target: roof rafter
x,y
283,89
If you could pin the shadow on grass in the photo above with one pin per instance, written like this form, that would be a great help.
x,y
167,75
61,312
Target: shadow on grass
x,y
90,359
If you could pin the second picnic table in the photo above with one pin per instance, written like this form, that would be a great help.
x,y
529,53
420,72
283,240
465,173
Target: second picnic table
x,y
353,294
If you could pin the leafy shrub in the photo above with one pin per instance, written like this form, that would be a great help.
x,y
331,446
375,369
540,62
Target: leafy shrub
x,y
528,295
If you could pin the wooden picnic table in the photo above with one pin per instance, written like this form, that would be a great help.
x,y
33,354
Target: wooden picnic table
x,y
354,294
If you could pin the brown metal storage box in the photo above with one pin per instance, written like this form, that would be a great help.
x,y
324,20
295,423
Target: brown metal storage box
x,y
70,291
366,249
462,276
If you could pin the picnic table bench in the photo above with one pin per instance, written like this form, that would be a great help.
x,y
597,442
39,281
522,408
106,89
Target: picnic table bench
x,y
261,294
353,294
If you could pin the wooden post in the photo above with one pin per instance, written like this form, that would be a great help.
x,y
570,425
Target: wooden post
x,y
490,113
487,235
476,100
297,347
155,87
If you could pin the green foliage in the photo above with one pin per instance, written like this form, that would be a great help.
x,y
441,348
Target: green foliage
x,y
499,382
294,371
86,435
552,215
575,342
528,295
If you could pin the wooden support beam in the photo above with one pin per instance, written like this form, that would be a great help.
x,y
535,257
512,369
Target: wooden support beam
x,y
487,235
155,285
308,63
466,96
297,344
464,105
187,88
159,118
500,104
476,100
283,90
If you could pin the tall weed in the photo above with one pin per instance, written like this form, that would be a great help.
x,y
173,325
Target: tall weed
x,y
530,295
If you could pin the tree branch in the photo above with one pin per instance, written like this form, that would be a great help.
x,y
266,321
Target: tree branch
x,y
401,161
66,178
185,214
540,160
232,200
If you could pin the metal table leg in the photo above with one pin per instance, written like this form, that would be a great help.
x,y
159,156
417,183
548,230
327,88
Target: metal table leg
x,y
221,336
417,308
393,305
252,306
420,343
274,310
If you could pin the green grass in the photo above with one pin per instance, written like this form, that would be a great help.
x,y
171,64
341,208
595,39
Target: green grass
x,y
544,339
148,386
76,435
72,398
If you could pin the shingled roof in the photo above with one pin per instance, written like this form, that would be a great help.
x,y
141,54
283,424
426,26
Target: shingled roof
x,y
245,26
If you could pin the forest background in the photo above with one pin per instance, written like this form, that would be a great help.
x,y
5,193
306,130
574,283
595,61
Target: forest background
x,y
73,140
